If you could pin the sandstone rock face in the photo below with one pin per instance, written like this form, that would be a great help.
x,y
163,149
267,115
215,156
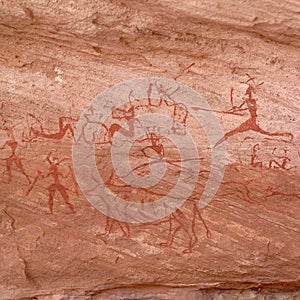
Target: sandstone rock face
x,y
242,57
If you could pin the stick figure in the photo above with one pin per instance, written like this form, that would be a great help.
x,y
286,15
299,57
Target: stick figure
x,y
251,123
13,144
285,160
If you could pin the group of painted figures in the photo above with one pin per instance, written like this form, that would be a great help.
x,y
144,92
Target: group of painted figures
x,y
35,131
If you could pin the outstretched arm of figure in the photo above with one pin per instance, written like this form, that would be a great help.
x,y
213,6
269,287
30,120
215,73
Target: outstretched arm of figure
x,y
238,108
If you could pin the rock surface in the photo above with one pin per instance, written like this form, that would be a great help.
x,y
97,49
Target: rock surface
x,y
56,56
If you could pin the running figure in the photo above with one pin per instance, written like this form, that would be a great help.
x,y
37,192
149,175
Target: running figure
x,y
251,123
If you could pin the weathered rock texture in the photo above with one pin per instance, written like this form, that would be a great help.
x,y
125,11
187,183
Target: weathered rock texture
x,y
58,55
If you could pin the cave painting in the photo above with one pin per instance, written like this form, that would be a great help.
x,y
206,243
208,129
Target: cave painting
x,y
151,144
249,104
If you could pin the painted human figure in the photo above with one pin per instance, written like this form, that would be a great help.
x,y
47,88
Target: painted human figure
x,y
251,123
64,126
13,144
54,172
285,160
